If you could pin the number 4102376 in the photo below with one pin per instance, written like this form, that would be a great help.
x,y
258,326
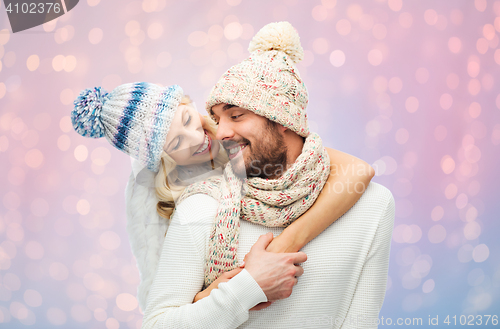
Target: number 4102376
x,y
471,320
34,8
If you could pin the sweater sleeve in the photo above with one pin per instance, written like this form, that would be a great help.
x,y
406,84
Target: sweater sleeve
x,y
180,276
370,289
146,229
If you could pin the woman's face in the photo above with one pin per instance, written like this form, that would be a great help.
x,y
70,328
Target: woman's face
x,y
187,142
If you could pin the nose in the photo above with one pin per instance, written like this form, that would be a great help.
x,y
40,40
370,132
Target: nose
x,y
225,129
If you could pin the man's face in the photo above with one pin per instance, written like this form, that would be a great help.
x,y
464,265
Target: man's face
x,y
258,140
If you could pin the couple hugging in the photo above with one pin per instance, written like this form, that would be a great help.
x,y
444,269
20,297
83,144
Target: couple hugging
x,y
226,201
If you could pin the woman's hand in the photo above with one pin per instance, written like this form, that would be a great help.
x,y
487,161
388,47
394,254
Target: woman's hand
x,y
279,244
226,276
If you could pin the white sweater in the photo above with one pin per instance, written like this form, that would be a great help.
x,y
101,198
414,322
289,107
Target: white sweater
x,y
343,284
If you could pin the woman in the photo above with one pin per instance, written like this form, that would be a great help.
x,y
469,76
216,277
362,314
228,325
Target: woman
x,y
161,129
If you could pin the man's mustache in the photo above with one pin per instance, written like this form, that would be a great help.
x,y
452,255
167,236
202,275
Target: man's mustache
x,y
231,143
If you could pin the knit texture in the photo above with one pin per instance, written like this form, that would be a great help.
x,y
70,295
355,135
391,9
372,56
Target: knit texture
x,y
343,284
268,83
272,203
134,118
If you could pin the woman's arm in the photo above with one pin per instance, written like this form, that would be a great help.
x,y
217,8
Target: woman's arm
x,y
349,177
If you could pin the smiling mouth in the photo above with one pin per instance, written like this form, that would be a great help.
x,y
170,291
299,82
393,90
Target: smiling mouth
x,y
236,150
205,147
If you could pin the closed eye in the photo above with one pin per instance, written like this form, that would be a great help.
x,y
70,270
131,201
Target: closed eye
x,y
177,145
188,121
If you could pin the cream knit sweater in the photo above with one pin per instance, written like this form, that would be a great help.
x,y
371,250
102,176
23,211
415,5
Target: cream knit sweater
x,y
343,284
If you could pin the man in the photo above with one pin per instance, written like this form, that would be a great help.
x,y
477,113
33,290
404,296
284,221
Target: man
x,y
260,107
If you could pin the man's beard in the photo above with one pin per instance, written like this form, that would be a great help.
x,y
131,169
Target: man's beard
x,y
268,156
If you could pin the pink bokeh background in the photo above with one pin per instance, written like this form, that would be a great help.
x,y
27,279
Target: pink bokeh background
x,y
411,87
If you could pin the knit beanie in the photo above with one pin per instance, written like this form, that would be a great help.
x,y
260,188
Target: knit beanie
x,y
134,117
268,83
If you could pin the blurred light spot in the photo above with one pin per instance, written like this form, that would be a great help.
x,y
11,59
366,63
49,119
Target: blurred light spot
x,y
455,45
100,156
93,3
395,5
58,271
155,30
488,31
33,158
70,63
472,230
472,154
430,16
447,164
422,266
461,201
495,135
93,281
11,282
405,20
81,153
319,13
65,124
497,58
480,5
441,23
112,323
437,234
379,31
473,68
408,281
482,46
232,31
64,142
83,207
320,45
476,277
380,84
39,207
337,58
437,213
100,314
95,35
3,88
411,104
456,16
132,28
198,38
58,63
109,240
487,81
11,200
126,302
16,176
446,101
343,27
450,191
216,32
465,253
452,81
474,87
428,286
4,36
33,62
402,136
34,250
395,85
9,59
80,313
480,253
422,75
366,22
375,57
440,133
32,298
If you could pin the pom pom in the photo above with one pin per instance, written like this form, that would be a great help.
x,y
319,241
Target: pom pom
x,y
278,36
86,116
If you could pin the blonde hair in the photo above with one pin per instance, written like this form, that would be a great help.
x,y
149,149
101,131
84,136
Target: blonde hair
x,y
168,191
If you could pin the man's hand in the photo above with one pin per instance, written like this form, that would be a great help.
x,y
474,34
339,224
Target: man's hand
x,y
276,273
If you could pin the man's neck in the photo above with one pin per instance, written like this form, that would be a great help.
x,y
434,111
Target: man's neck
x,y
294,144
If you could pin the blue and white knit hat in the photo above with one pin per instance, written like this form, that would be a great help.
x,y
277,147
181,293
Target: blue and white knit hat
x,y
134,117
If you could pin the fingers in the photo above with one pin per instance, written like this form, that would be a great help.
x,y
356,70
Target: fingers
x,y
261,306
298,271
263,241
299,257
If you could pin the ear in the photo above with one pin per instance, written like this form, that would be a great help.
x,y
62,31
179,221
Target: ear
x,y
282,129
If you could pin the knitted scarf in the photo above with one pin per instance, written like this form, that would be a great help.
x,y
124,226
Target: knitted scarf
x,y
272,203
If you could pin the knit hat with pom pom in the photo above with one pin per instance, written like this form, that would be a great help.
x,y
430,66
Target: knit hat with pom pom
x,y
268,83
134,117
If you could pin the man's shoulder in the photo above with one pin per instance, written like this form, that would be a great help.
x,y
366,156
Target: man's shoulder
x,y
375,202
196,208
